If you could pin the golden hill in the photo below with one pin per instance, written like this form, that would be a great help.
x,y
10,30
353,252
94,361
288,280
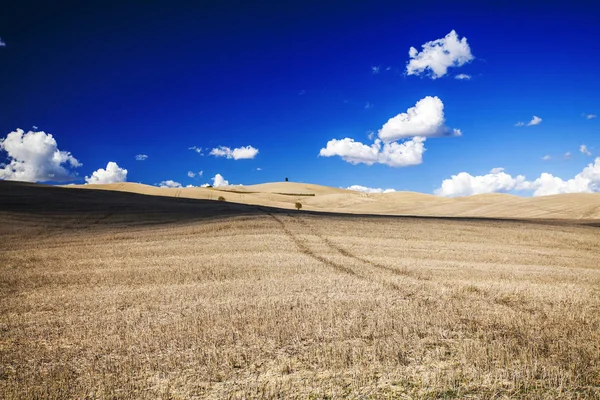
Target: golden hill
x,y
328,199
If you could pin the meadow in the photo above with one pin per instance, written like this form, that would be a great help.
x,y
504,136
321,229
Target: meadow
x,y
112,295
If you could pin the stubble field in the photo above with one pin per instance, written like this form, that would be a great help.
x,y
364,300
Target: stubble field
x,y
116,295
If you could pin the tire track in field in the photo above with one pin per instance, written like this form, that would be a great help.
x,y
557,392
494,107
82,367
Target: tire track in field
x,y
374,275
348,254
308,251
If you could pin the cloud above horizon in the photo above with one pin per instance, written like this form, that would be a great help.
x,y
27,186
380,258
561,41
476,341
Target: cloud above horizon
x,y
240,153
407,153
364,189
169,184
425,119
112,174
218,180
35,157
464,184
196,149
584,150
438,55
534,121
141,157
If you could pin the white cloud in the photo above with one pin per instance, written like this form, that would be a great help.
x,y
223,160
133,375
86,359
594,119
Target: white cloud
x,y
196,149
438,55
583,149
462,184
192,174
462,77
465,184
368,106
112,174
218,180
259,169
568,155
394,154
365,189
587,181
534,121
2,43
35,157
240,153
375,70
425,119
546,157
169,184
141,157
590,116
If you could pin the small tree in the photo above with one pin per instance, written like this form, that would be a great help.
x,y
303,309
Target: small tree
x,y
298,205
221,198
286,179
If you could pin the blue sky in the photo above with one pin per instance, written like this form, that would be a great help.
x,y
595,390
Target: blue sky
x,y
119,80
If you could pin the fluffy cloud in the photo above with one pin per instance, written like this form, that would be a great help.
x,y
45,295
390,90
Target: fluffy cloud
x,y
534,121
112,174
583,149
587,181
35,157
462,184
438,55
141,157
425,119
365,189
375,70
465,184
240,153
218,180
191,174
196,149
547,157
169,184
462,77
590,116
393,154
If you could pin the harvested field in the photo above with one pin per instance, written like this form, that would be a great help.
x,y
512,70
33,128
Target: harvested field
x,y
113,295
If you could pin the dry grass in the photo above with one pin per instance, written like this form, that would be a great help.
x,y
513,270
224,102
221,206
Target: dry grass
x,y
121,296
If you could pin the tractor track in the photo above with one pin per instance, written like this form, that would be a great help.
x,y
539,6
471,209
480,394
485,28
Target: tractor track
x,y
306,250
345,252
362,274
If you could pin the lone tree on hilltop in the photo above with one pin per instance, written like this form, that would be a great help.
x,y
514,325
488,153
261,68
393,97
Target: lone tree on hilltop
x,y
221,198
298,205
286,179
